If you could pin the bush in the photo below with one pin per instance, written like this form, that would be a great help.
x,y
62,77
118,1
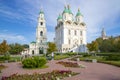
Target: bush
x,y
58,53
71,54
113,58
39,61
86,55
6,56
108,54
34,62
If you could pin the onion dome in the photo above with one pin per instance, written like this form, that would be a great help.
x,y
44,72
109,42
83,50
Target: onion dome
x,y
33,42
59,17
41,12
79,13
67,10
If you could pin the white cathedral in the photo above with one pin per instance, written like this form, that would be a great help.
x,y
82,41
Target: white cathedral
x,y
40,46
70,32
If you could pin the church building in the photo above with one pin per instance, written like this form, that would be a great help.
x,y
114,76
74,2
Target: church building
x,y
40,45
103,34
70,32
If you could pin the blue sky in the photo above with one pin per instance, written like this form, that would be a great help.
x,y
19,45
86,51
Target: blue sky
x,y
18,18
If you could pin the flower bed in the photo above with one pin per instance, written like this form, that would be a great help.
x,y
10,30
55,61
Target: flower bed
x,y
68,64
54,75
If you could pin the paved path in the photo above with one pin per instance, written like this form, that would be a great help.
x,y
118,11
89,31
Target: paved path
x,y
93,71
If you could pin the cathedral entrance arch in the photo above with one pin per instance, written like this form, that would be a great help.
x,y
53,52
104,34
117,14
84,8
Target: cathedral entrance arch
x,y
33,52
75,43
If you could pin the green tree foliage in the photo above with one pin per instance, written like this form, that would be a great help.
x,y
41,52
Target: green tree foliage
x,y
16,48
93,46
108,45
51,47
4,47
25,45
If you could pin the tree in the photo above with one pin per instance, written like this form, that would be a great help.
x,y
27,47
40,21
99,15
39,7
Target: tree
x,y
25,45
93,46
16,48
51,47
4,47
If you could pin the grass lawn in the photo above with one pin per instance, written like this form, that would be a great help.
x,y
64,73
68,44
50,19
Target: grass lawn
x,y
15,59
58,57
99,59
115,63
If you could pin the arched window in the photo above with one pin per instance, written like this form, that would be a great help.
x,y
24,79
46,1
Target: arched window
x,y
75,32
69,42
69,32
80,33
81,41
32,52
41,33
41,23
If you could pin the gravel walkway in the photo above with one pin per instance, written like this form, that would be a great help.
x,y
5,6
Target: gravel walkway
x,y
93,71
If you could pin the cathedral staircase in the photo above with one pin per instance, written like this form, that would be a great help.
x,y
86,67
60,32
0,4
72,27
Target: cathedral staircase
x,y
81,48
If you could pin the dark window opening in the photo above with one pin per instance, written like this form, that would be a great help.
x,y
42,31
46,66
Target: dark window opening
x,y
41,33
41,23
75,32
41,51
32,52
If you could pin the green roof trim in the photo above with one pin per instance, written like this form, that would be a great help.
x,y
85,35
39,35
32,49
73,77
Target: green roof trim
x,y
79,13
59,17
33,42
41,12
67,10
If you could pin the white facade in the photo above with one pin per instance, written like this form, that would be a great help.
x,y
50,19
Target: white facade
x,y
40,46
70,32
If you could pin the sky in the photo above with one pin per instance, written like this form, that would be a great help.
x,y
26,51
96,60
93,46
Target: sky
x,y
18,18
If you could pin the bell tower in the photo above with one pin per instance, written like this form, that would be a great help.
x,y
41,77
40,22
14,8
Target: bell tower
x,y
41,29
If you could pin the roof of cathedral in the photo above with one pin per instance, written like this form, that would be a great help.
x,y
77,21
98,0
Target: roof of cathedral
x,y
41,12
67,10
33,42
59,17
79,13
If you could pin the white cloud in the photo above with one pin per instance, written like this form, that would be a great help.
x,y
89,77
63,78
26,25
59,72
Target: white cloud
x,y
12,38
97,13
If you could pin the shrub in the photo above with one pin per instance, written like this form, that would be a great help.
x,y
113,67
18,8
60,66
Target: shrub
x,y
114,58
71,54
28,63
34,62
39,61
108,54
86,55
6,56
58,53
